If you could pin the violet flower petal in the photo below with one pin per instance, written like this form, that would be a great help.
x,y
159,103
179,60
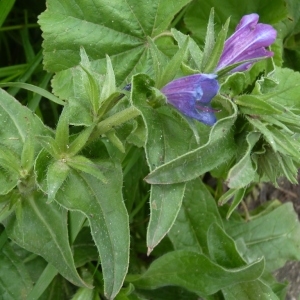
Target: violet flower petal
x,y
192,95
247,42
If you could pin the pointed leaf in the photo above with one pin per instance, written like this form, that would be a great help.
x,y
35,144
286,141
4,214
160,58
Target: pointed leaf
x,y
222,248
62,131
57,173
35,230
109,84
162,145
103,205
209,39
244,171
80,141
194,50
49,144
218,149
255,105
173,65
198,212
27,156
217,50
85,165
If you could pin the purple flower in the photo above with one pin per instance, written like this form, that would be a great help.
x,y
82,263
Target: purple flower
x,y
192,94
248,42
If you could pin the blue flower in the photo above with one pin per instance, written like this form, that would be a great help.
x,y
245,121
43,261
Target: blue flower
x,y
192,95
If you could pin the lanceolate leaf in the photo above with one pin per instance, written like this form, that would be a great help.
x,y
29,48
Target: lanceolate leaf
x,y
161,146
198,212
103,205
42,229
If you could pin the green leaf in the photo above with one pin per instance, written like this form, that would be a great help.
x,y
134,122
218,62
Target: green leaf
x,y
15,279
86,165
209,39
109,85
237,199
244,171
194,50
17,120
162,145
5,7
287,90
33,229
62,131
50,145
255,105
80,141
195,272
197,213
45,280
216,52
84,247
34,89
274,235
222,248
27,156
103,205
89,81
57,173
159,61
249,291
234,84
101,29
167,293
218,149
165,202
171,69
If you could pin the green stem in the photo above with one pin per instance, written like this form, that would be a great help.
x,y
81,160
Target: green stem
x,y
165,33
17,27
115,120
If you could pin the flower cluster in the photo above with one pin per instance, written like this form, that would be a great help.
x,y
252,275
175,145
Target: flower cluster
x,y
192,94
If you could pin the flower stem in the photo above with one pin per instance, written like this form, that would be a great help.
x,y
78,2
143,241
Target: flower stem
x,y
116,119
165,33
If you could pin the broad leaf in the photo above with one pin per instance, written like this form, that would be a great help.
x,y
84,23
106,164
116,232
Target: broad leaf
x,y
33,228
219,149
195,272
101,29
198,212
274,235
